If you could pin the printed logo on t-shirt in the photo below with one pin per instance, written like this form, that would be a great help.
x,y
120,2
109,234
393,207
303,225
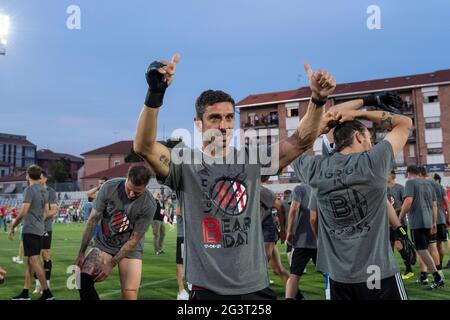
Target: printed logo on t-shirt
x,y
226,233
120,222
230,196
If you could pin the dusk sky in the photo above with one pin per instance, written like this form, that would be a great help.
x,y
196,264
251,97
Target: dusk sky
x,y
76,90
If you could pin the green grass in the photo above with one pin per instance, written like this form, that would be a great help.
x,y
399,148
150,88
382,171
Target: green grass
x,y
158,277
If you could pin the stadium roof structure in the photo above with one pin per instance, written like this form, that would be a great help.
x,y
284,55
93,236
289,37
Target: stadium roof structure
x,y
352,88
119,171
46,154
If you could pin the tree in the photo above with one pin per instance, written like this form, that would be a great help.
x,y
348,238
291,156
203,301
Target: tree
x,y
59,171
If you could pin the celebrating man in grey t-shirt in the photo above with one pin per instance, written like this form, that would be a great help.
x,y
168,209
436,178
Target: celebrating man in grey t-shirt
x,y
220,187
351,187
125,209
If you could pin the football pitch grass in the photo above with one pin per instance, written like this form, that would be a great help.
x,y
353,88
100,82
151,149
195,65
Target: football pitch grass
x,y
158,275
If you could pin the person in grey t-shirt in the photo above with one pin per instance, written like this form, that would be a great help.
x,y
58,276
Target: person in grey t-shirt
x,y
221,186
420,202
271,209
351,186
286,202
125,209
302,238
52,202
33,214
182,293
444,220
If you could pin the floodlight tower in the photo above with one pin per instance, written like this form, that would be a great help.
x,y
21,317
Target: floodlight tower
x,y
4,29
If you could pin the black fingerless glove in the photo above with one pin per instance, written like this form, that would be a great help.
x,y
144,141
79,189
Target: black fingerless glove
x,y
156,85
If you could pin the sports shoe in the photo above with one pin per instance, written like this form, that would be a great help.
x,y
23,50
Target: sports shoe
x,y
436,285
14,259
183,295
423,282
407,276
22,296
441,273
271,281
47,295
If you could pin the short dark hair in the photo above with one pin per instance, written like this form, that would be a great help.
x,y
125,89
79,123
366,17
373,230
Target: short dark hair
x,y
413,169
34,172
44,173
287,192
139,175
437,177
423,171
392,174
104,178
343,133
210,97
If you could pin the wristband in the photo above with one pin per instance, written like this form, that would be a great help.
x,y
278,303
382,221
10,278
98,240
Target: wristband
x,y
318,102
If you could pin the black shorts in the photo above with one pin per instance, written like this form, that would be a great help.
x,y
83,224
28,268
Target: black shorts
x,y
47,240
204,294
32,245
180,249
390,289
300,258
270,231
421,238
441,234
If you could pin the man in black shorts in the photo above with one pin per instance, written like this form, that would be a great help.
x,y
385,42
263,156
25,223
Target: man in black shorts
x,y
269,201
301,237
396,195
182,293
52,202
286,202
351,191
220,187
442,231
124,208
33,214
440,237
420,202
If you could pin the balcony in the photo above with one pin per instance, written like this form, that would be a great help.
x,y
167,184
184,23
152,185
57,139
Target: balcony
x,y
412,135
268,120
408,108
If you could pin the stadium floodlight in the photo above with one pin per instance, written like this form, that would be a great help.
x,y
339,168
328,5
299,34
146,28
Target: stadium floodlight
x,y
4,30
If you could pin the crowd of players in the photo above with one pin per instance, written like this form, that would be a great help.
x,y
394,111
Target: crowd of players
x,y
346,215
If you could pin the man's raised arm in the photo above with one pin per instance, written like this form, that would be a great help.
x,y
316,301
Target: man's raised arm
x,y
159,76
322,84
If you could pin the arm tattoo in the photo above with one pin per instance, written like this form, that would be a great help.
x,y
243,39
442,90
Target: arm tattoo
x,y
386,121
94,218
127,247
164,160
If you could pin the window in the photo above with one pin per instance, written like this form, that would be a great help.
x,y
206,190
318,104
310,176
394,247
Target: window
x,y
434,151
292,112
431,99
412,151
116,163
2,173
432,125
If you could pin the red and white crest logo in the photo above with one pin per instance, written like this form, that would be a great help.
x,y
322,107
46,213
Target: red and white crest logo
x,y
230,196
120,222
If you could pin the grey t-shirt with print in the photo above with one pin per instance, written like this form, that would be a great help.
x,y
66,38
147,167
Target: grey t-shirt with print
x,y
51,199
121,216
351,193
421,212
33,223
440,194
220,197
303,234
